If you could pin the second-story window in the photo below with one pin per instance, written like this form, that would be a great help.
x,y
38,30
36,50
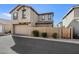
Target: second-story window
x,y
15,15
49,17
43,17
24,14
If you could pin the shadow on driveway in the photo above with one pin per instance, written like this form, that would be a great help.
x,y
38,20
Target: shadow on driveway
x,y
37,46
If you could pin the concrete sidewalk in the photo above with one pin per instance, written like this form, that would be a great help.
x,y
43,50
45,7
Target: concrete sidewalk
x,y
6,42
74,41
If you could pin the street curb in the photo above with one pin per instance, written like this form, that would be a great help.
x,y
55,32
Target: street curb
x,y
51,39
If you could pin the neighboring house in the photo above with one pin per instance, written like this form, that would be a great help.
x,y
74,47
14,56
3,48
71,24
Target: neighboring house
x,y
25,16
71,20
5,25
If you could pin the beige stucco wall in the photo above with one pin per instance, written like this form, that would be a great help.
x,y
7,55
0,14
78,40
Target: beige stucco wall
x,y
7,27
33,17
28,14
44,25
1,28
75,26
68,19
72,20
25,30
76,12
75,23
73,15
61,32
48,30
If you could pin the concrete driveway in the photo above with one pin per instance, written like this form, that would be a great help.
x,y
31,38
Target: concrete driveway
x,y
14,44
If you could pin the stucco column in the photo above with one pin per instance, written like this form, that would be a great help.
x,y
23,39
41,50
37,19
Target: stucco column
x,y
3,28
71,31
59,32
12,29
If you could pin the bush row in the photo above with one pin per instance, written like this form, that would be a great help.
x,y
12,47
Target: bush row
x,y
44,34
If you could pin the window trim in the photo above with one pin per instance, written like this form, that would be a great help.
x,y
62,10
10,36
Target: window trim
x,y
43,17
49,17
15,17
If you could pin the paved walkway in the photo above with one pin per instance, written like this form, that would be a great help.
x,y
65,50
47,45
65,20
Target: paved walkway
x,y
75,41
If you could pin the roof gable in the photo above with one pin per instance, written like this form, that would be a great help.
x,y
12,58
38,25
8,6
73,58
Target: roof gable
x,y
18,7
74,7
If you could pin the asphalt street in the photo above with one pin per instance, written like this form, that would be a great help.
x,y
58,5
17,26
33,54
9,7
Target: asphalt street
x,y
36,46
19,45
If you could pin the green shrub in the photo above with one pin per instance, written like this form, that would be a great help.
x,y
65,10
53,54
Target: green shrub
x,y
54,35
6,32
44,34
9,31
20,23
35,33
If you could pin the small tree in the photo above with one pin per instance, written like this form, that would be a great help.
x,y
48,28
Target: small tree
x,y
54,35
44,34
35,33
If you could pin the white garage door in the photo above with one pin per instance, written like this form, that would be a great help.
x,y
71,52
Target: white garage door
x,y
21,29
1,29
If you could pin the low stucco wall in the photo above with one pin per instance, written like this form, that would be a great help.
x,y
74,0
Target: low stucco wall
x,y
61,32
48,30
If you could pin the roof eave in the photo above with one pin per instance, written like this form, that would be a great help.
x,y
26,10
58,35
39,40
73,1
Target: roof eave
x,y
22,6
14,8
68,12
46,13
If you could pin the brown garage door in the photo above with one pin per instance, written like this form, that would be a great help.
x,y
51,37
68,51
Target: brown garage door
x,y
22,29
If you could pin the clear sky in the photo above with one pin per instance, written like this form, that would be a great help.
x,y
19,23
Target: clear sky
x,y
58,9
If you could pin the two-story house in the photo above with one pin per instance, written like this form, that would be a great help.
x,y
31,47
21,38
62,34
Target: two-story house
x,y
71,20
25,16
25,20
